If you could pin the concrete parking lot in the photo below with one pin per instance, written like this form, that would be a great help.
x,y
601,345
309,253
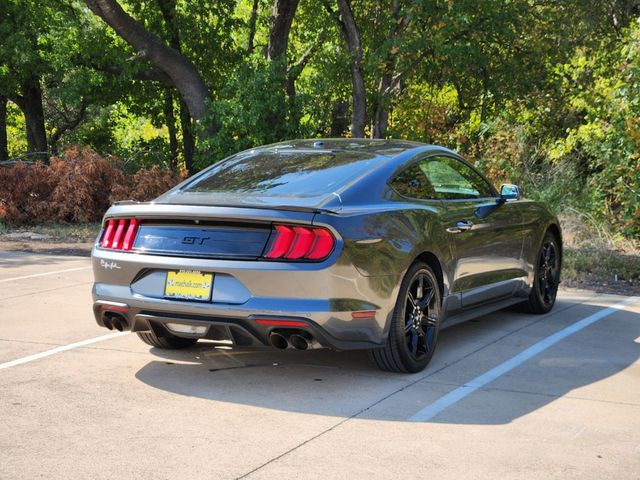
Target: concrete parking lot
x,y
506,396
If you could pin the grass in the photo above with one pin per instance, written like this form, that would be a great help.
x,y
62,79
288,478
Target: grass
x,y
71,233
597,259
602,267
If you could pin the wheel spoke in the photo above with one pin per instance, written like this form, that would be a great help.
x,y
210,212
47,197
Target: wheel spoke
x,y
420,291
408,326
413,342
411,300
424,302
430,320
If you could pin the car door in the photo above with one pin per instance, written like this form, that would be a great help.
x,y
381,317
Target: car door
x,y
487,234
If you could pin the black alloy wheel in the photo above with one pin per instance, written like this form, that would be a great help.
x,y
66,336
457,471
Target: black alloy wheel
x,y
415,325
547,277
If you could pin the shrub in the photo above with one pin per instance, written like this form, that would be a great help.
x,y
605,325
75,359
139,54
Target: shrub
x,y
83,184
25,190
77,187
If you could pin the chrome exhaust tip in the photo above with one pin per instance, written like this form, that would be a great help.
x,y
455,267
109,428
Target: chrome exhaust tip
x,y
278,341
116,322
299,342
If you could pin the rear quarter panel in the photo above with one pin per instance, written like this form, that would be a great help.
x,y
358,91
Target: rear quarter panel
x,y
381,242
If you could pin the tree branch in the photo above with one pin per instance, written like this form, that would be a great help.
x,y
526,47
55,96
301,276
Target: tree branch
x,y
70,124
176,66
296,69
252,26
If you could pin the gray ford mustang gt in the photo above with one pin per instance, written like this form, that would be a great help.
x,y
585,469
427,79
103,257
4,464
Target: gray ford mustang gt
x,y
336,243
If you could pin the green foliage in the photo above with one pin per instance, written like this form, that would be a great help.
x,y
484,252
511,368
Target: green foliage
x,y
543,94
252,111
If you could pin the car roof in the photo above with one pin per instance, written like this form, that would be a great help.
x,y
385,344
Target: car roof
x,y
383,147
387,153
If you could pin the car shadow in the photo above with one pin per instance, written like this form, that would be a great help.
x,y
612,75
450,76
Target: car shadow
x,y
344,384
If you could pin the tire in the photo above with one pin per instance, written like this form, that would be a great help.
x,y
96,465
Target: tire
x,y
547,278
166,341
415,323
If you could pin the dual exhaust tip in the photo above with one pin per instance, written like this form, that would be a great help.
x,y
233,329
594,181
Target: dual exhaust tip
x,y
298,341
114,321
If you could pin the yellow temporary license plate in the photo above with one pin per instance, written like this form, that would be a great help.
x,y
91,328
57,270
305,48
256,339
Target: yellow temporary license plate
x,y
189,285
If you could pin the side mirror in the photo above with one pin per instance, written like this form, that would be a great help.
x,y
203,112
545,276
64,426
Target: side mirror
x,y
509,191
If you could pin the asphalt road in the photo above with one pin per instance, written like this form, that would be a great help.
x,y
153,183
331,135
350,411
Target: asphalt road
x,y
506,396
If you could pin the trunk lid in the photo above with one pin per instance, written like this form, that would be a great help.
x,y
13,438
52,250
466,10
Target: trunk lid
x,y
204,231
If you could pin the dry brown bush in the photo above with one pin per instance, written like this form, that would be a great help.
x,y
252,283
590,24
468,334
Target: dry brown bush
x,y
78,186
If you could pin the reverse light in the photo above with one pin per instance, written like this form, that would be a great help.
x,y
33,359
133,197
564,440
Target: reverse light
x,y
300,243
189,329
119,234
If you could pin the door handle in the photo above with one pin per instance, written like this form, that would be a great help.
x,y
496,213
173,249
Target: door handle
x,y
461,226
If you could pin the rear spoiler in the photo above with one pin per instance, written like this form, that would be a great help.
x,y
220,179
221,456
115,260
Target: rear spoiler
x,y
291,208
253,214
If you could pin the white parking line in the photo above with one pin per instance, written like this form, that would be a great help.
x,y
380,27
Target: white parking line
x,y
480,381
63,348
43,274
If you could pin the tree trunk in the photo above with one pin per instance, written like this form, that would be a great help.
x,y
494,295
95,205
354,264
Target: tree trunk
x,y
188,144
252,26
168,9
4,147
170,120
386,85
381,114
339,118
178,67
31,105
281,19
359,94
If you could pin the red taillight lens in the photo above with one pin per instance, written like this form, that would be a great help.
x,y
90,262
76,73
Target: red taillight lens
x,y
120,234
282,243
300,243
117,238
322,246
109,232
130,236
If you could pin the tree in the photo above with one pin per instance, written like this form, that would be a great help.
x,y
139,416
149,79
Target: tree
x,y
21,65
354,46
281,19
4,147
171,62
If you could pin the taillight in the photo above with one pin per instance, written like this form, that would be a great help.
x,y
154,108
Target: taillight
x,y
120,234
300,243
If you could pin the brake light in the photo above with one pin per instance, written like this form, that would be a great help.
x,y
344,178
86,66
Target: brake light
x,y
130,236
283,240
300,243
107,236
120,234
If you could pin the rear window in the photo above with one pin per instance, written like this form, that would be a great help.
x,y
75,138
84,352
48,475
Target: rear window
x,y
284,173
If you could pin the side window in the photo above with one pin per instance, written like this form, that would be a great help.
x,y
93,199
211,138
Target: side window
x,y
453,180
413,183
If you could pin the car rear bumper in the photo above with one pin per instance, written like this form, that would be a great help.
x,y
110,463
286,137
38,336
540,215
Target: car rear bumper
x,y
327,301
